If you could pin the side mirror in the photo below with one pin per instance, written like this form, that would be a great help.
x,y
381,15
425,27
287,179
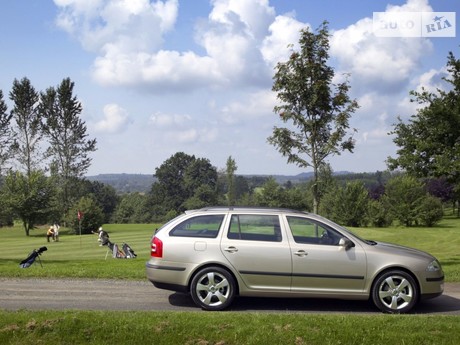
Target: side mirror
x,y
346,243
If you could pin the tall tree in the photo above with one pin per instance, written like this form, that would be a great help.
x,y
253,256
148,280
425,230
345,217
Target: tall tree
x,y
27,132
429,144
30,197
69,146
179,178
230,172
318,110
6,138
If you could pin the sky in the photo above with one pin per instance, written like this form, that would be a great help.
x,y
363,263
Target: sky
x,y
195,76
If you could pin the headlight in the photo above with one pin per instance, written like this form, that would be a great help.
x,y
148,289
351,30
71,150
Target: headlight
x,y
433,266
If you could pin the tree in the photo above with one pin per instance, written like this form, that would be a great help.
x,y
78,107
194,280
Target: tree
x,y
30,198
270,194
131,209
204,195
105,195
348,205
198,173
230,173
69,147
318,109
431,211
403,197
170,181
379,214
6,139
27,132
429,144
297,199
180,178
92,216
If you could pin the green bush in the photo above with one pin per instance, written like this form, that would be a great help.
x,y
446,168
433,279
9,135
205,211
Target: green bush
x,y
379,215
431,211
403,198
347,205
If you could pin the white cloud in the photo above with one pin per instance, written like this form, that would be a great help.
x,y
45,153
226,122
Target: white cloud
x,y
255,16
283,32
121,25
242,41
254,105
161,120
191,136
380,63
432,80
115,119
226,105
179,129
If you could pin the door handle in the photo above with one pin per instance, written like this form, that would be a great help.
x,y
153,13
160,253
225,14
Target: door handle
x,y
301,253
231,249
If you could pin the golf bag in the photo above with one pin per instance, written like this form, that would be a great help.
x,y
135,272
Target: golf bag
x,y
125,252
129,252
28,261
117,252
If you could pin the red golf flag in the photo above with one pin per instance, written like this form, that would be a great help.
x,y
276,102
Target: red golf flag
x,y
79,215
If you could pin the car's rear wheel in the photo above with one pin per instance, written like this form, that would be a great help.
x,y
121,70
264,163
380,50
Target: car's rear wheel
x,y
213,288
395,292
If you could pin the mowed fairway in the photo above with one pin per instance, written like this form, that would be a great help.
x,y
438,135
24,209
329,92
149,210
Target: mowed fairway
x,y
74,255
77,256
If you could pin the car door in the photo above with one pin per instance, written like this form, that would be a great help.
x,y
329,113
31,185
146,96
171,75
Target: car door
x,y
320,264
257,249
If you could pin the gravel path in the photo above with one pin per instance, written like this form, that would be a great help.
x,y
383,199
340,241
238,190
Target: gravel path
x,y
98,294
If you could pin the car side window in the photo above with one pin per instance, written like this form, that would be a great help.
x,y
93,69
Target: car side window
x,y
201,226
255,228
307,231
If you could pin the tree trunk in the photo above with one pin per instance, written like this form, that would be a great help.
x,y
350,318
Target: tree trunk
x,y
26,227
315,190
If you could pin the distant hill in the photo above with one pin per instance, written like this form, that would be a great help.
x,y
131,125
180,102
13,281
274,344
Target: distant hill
x,y
141,183
126,183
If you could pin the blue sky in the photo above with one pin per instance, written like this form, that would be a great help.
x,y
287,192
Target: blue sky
x,y
160,77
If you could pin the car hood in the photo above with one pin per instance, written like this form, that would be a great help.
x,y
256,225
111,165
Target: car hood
x,y
398,249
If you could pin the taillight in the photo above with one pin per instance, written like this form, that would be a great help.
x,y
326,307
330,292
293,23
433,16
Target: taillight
x,y
157,248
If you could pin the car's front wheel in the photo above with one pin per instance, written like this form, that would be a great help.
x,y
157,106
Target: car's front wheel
x,y
395,292
213,288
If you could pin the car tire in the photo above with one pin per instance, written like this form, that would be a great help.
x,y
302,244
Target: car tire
x,y
395,292
213,288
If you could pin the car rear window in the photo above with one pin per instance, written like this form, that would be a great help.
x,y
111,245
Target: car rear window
x,y
255,228
200,226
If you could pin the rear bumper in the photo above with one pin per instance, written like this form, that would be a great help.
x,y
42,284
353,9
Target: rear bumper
x,y
167,277
170,287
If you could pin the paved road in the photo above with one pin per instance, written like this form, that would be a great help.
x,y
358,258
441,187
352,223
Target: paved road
x,y
86,294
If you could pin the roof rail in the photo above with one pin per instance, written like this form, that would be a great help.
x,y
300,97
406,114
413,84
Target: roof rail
x,y
254,208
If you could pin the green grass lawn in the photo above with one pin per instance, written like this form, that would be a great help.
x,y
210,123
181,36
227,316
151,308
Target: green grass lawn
x,y
192,328
80,256
74,255
442,241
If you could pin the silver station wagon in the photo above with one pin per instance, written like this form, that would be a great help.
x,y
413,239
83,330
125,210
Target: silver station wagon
x,y
216,254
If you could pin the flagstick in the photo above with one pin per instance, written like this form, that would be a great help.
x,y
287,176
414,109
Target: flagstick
x,y
79,226
79,216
